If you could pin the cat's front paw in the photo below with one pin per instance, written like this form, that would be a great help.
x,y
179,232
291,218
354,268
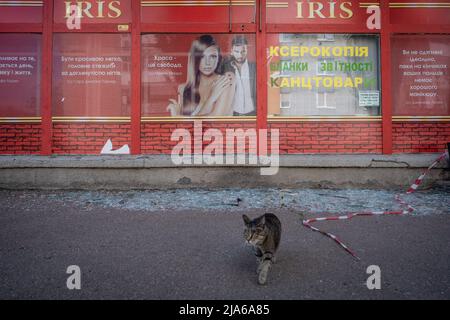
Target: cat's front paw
x,y
262,276
263,272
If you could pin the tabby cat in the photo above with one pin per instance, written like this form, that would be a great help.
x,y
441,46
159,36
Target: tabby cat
x,y
264,234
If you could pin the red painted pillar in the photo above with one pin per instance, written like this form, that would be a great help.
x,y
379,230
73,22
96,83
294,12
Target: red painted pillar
x,y
136,78
46,78
386,90
261,62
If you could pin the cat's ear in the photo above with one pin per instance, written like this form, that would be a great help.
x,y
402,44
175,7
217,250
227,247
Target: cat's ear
x,y
262,221
246,219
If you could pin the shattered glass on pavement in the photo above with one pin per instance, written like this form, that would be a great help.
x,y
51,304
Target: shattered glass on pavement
x,y
425,202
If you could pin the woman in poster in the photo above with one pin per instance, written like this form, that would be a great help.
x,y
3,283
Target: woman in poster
x,y
208,91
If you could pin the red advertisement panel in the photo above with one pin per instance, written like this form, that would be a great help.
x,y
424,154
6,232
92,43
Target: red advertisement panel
x,y
186,75
200,11
25,11
91,74
420,74
317,12
93,11
20,70
426,12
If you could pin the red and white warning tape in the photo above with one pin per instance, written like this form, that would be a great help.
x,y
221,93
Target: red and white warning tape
x,y
406,208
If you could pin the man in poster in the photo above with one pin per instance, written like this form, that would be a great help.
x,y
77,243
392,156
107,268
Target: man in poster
x,y
245,95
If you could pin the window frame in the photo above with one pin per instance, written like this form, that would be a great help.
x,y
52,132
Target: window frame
x,y
322,90
260,27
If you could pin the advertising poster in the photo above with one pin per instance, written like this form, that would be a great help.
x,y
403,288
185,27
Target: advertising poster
x,y
420,75
20,72
323,74
91,75
198,75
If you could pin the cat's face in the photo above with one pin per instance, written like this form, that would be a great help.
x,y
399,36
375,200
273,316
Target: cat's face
x,y
255,231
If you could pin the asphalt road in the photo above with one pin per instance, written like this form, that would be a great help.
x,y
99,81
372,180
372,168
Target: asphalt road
x,y
125,254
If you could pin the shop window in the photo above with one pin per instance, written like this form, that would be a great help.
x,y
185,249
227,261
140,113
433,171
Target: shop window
x,y
20,72
198,75
91,75
420,75
325,75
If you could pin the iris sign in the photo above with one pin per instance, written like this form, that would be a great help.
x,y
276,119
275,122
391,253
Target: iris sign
x,y
94,9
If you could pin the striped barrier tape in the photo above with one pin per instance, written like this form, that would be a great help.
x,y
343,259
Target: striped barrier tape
x,y
406,208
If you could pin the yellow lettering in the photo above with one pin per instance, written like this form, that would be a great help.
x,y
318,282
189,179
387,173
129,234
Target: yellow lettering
x,y
85,10
115,9
300,10
348,10
306,84
348,83
100,9
317,11
284,83
317,80
68,9
337,51
332,6
349,51
273,51
364,51
284,51
315,51
328,82
303,51
295,82
337,82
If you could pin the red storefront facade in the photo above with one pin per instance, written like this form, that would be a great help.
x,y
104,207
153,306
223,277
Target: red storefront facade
x,y
67,90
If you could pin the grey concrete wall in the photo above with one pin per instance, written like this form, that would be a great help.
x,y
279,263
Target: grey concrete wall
x,y
149,172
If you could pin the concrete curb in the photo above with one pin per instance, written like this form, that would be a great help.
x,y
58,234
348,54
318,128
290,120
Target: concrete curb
x,y
154,172
164,161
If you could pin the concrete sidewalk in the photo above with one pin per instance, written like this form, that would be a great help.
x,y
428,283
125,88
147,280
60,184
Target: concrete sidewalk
x,y
137,254
124,172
